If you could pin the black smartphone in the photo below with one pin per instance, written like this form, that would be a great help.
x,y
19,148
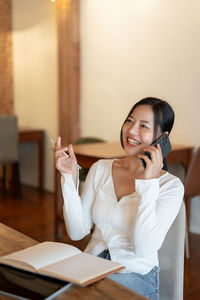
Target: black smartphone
x,y
165,146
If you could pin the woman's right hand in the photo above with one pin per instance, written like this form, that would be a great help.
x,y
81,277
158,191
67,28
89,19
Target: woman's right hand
x,y
65,159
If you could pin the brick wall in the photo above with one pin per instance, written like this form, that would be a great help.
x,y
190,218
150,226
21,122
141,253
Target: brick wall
x,y
6,71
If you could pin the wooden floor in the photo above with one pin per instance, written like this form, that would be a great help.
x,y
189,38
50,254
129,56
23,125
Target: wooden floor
x,y
33,215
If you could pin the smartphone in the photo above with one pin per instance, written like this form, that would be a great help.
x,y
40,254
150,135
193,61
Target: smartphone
x,y
165,146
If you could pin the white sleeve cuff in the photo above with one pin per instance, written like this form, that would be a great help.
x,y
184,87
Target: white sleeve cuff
x,y
68,179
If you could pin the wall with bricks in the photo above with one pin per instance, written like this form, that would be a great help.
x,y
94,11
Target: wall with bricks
x,y
6,70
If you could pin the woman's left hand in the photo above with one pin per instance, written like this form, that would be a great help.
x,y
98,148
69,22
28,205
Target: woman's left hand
x,y
153,165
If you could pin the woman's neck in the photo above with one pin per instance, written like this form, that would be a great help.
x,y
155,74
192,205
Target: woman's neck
x,y
131,163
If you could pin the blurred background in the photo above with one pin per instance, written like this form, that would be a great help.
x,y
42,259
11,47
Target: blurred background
x,y
128,50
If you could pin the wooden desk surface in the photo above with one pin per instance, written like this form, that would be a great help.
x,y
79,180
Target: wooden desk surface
x,y
28,134
87,154
100,150
12,240
110,149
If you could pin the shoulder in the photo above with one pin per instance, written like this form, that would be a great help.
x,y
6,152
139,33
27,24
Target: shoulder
x,y
102,165
100,172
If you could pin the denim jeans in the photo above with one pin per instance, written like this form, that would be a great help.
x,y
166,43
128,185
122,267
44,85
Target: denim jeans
x,y
146,285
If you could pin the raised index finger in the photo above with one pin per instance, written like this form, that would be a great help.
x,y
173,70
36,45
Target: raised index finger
x,y
58,143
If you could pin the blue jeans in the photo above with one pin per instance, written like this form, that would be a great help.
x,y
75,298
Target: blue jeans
x,y
146,285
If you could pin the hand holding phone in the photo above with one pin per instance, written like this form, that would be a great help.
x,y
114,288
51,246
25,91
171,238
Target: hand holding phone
x,y
165,146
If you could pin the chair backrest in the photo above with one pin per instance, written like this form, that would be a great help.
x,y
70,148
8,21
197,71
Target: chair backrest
x,y
192,182
171,259
9,137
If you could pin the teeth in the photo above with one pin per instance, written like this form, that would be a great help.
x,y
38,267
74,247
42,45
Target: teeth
x,y
133,142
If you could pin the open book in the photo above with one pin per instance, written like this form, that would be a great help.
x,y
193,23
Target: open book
x,y
62,261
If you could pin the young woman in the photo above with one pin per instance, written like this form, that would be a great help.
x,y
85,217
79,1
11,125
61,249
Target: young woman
x,y
132,207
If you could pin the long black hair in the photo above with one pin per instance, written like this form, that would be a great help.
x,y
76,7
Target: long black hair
x,y
163,117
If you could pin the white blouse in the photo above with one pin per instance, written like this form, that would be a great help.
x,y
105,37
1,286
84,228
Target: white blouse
x,y
134,228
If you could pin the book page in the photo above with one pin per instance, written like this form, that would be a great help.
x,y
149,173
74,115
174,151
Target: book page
x,y
40,255
82,268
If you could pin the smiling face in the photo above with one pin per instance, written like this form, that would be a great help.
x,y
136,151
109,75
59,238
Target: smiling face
x,y
138,129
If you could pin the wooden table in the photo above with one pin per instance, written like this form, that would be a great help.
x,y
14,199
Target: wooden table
x,y
35,135
87,154
107,289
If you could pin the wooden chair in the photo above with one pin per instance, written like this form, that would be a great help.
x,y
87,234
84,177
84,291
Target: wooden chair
x,y
192,189
9,152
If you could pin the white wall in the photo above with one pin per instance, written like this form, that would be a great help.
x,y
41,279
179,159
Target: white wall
x,y
137,48
35,80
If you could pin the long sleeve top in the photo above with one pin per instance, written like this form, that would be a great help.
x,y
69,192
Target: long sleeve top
x,y
134,228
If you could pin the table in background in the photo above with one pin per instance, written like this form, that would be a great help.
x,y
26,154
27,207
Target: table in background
x,y
35,135
87,154
12,240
